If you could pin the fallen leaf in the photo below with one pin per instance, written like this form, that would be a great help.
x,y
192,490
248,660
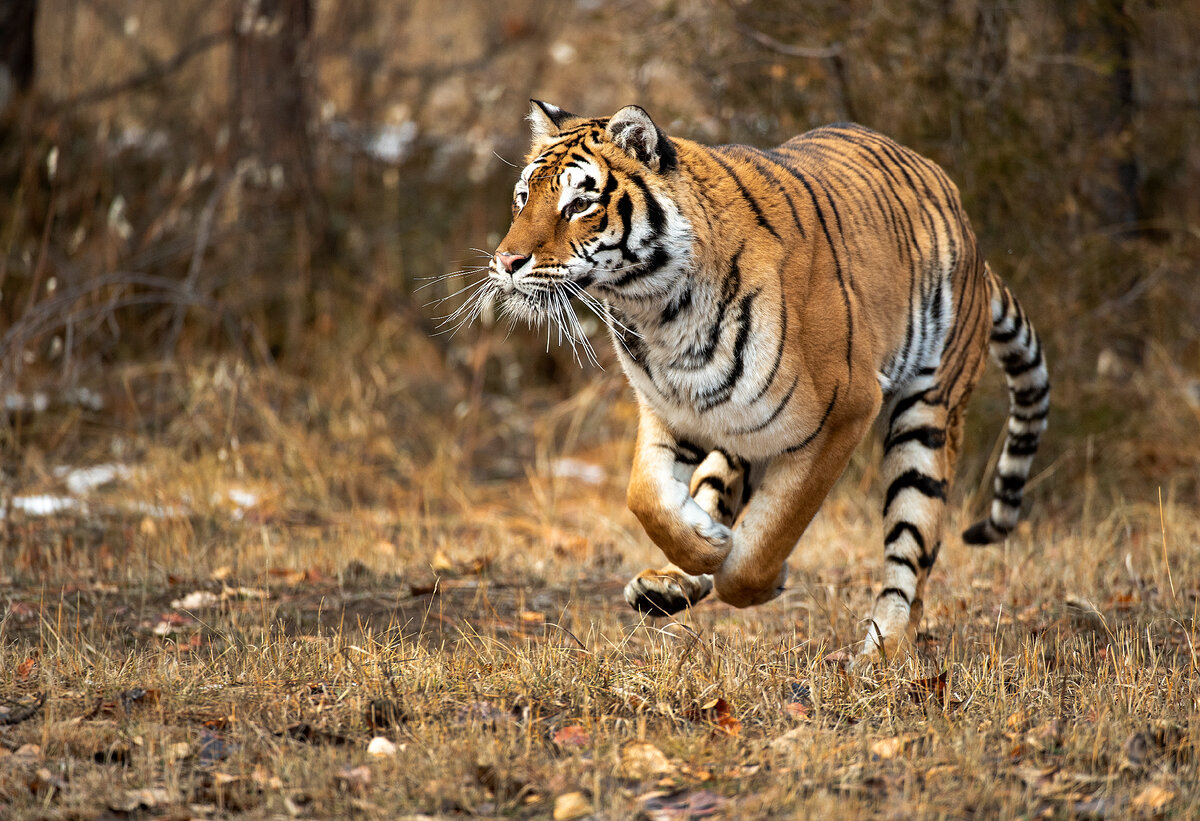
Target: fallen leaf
x,y
571,806
641,761
45,782
717,712
930,689
572,736
441,562
28,752
891,747
1152,799
26,669
534,617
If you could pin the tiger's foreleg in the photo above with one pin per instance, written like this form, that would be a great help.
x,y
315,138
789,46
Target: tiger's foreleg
x,y
660,497
792,489
716,485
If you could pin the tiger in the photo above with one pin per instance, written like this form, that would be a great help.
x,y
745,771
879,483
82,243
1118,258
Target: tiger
x,y
767,306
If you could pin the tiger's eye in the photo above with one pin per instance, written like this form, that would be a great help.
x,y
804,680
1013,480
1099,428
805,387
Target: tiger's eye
x,y
577,206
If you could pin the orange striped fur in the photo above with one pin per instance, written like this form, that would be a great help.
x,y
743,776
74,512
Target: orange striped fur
x,y
767,305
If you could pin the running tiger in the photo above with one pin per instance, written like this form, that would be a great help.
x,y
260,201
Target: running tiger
x,y
767,306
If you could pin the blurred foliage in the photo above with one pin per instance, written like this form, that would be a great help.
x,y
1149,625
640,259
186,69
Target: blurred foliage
x,y
151,228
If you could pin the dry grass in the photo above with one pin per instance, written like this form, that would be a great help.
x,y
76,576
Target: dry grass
x,y
477,621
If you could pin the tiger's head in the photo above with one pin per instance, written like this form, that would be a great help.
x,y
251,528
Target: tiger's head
x,y
593,216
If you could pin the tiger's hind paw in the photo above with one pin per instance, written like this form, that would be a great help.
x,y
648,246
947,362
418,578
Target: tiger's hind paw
x,y
666,591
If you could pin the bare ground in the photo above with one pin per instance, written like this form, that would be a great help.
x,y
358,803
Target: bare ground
x,y
239,661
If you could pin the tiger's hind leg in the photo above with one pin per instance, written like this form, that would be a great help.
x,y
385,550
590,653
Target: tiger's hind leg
x,y
717,485
924,433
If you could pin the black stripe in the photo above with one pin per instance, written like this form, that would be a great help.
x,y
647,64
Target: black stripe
x,y
749,198
894,591
783,322
1023,365
677,306
1022,444
837,267
653,264
1009,483
928,436
712,398
654,211
686,452
808,440
903,405
610,185
697,358
715,482
918,481
752,156
1031,396
927,559
787,397
1033,416
906,527
903,561
1004,337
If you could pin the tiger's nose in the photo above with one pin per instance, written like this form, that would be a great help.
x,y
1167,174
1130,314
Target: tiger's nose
x,y
511,262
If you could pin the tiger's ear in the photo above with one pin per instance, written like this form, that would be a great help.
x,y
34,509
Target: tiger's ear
x,y
633,131
546,120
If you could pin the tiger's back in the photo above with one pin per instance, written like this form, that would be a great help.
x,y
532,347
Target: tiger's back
x,y
836,260
766,305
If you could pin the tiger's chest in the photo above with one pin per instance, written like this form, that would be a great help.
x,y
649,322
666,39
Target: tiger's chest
x,y
724,382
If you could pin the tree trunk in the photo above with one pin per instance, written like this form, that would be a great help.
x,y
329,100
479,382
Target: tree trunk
x,y
17,18
272,114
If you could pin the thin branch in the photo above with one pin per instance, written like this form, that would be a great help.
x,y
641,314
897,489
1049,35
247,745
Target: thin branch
x,y
767,41
150,76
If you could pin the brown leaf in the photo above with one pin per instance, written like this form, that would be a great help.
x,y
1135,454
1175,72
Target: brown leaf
x,y
718,713
26,669
1152,799
571,806
572,736
641,761
799,704
442,563
927,689
892,747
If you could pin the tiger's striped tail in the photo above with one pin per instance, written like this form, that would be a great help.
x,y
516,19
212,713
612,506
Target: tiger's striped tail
x,y
1016,346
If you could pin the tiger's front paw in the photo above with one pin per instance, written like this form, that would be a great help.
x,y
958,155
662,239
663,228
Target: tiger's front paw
x,y
706,527
666,591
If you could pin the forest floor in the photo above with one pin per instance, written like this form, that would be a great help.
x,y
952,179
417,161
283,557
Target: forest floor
x,y
183,643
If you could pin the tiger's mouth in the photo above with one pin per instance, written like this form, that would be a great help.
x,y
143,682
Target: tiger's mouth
x,y
546,300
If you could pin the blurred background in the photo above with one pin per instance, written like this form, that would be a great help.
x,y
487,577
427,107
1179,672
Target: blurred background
x,y
225,227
